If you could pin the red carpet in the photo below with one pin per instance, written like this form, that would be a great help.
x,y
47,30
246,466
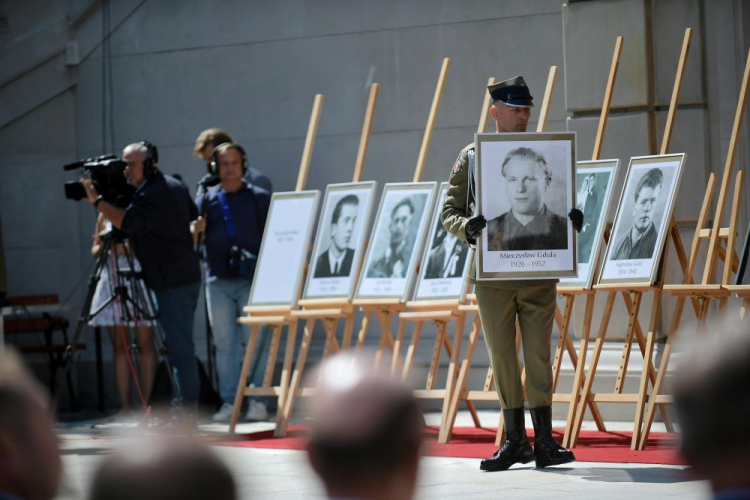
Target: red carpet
x,y
469,442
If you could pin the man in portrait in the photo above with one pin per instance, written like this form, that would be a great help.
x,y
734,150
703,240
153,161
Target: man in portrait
x,y
529,224
337,259
588,204
639,241
395,259
447,256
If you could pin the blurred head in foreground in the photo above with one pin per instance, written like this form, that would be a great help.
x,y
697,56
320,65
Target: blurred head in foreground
x,y
29,449
164,469
712,397
366,432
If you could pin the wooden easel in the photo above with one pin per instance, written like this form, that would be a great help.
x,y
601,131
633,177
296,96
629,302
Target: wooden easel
x,y
385,309
461,392
442,313
277,317
707,290
328,311
632,295
570,293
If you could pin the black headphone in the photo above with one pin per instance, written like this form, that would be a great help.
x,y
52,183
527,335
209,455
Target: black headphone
x,y
213,167
151,162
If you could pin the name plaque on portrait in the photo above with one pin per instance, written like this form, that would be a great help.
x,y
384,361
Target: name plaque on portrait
x,y
397,239
339,244
444,262
284,247
643,219
525,189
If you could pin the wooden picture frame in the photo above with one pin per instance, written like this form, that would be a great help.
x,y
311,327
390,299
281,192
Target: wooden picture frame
x,y
635,260
402,219
351,205
284,249
445,260
525,189
595,181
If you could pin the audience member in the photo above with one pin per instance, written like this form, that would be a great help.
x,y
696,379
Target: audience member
x,y
366,432
712,397
164,469
30,466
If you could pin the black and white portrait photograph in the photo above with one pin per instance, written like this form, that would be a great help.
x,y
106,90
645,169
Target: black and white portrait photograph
x,y
397,239
283,252
444,262
642,218
594,181
526,188
337,252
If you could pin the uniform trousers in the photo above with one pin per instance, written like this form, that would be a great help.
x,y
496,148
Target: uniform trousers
x,y
535,308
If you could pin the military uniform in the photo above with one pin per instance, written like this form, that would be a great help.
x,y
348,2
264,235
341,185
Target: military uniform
x,y
532,301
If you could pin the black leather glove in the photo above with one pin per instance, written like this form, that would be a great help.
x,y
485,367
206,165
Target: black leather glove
x,y
474,227
576,217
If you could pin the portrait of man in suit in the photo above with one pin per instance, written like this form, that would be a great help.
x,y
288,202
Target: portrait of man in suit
x,y
640,239
337,259
529,224
447,256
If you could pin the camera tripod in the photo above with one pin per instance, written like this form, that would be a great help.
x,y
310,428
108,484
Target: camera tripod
x,y
135,305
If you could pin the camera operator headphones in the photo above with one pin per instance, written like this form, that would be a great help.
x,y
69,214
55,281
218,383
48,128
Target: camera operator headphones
x,y
213,167
151,162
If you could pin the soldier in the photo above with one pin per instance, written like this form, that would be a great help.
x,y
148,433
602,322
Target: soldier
x,y
500,302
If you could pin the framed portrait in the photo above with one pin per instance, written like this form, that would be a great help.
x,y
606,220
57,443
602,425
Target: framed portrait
x,y
594,183
397,240
743,277
283,250
444,261
338,249
642,220
525,186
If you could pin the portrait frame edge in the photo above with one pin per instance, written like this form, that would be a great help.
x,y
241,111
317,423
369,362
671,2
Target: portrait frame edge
x,y
315,195
359,255
488,276
663,229
418,244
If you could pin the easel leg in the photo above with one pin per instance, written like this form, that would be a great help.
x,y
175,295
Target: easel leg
x,y
384,318
396,361
563,325
242,382
647,365
450,380
460,387
580,366
346,342
304,348
586,394
411,351
363,332
286,371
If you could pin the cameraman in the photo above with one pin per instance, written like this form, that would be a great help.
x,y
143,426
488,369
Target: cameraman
x,y
235,216
158,224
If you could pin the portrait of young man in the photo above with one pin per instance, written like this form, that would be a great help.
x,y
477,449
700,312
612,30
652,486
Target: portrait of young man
x,y
337,259
639,240
447,256
529,224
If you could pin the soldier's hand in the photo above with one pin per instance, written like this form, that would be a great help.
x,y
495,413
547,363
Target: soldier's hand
x,y
576,217
474,227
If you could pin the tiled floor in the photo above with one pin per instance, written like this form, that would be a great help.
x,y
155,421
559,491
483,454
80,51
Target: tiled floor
x,y
282,474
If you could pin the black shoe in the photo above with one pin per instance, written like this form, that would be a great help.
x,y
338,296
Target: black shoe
x,y
516,447
546,450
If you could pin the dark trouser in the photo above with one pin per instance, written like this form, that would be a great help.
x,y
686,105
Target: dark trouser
x,y
535,309
176,314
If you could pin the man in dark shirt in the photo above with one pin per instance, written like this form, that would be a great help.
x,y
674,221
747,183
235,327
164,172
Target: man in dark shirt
x,y
158,224
529,224
337,259
640,240
235,216
395,259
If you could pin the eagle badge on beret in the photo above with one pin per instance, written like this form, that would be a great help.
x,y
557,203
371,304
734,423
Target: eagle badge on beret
x,y
457,167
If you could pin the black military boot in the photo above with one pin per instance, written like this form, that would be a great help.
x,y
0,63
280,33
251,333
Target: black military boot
x,y
546,450
516,447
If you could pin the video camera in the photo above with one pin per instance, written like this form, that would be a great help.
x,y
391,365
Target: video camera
x,y
106,172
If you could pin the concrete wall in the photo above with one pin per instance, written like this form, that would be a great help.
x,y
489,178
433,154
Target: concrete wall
x,y
253,68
